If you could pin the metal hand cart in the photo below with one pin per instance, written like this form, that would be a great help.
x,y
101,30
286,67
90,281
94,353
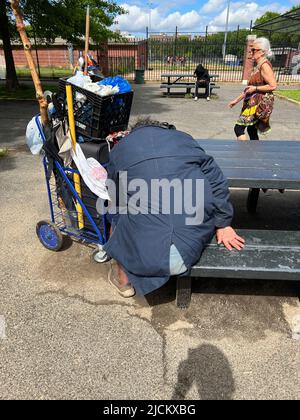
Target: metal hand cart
x,y
85,225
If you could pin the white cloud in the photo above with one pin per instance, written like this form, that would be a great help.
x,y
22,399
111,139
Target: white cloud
x,y
213,6
138,18
187,21
135,20
242,13
162,20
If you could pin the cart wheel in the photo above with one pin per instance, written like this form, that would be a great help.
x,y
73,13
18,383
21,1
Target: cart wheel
x,y
100,256
49,235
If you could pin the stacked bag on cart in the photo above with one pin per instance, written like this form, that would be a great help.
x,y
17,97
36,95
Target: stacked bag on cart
x,y
100,108
98,118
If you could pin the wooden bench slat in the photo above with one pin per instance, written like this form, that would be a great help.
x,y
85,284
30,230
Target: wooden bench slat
x,y
178,85
185,85
268,255
265,252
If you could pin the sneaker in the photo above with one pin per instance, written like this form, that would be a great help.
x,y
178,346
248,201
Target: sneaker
x,y
196,98
125,290
208,98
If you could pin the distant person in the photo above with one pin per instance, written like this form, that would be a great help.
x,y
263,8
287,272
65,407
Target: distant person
x,y
182,60
203,80
258,96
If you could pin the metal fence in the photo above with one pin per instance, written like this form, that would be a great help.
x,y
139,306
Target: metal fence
x,y
178,54
181,54
158,54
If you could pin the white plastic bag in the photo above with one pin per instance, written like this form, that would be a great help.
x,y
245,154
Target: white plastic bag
x,y
92,172
33,137
79,79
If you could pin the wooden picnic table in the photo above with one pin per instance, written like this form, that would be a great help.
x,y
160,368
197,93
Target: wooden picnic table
x,y
179,76
257,164
268,254
178,81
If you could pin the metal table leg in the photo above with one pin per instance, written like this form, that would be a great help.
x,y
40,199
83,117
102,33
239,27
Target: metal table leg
x,y
183,292
253,199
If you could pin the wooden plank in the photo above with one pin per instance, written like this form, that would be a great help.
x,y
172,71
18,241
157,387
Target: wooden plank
x,y
268,255
257,164
255,146
177,85
185,75
289,156
276,165
249,179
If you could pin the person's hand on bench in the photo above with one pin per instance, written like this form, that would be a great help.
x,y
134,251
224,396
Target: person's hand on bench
x,y
230,239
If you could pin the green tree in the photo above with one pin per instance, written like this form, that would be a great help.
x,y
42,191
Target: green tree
x,y
51,18
265,17
6,34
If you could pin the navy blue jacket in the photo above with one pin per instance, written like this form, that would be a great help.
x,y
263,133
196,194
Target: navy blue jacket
x,y
141,242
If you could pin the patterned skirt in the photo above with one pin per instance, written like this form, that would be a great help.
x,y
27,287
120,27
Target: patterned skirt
x,y
257,109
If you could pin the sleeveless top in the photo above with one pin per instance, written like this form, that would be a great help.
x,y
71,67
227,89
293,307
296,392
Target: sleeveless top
x,y
258,106
256,78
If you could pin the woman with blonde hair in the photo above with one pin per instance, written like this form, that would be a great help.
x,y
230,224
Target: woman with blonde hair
x,y
258,96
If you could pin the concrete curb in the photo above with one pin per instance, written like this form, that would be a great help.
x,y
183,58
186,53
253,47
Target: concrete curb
x,y
287,99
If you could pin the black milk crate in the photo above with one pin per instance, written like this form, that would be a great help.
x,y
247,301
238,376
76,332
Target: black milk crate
x,y
98,116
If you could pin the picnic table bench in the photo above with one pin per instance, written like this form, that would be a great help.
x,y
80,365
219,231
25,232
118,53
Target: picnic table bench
x,y
268,254
176,81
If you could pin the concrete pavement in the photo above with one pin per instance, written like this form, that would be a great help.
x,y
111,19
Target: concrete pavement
x,y
69,335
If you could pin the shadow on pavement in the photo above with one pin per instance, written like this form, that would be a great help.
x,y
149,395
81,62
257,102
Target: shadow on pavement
x,y
7,163
148,100
208,368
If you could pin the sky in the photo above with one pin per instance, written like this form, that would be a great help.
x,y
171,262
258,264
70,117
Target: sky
x,y
194,15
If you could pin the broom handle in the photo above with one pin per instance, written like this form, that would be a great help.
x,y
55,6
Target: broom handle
x,y
76,177
87,40
27,48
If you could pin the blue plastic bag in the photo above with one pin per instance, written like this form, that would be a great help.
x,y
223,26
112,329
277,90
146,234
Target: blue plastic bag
x,y
123,85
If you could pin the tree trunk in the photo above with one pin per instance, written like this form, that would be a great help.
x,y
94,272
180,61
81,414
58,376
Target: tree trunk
x,y
11,75
27,50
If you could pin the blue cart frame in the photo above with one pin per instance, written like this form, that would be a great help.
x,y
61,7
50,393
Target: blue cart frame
x,y
50,234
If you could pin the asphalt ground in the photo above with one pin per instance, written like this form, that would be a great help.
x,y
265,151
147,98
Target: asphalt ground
x,y
68,335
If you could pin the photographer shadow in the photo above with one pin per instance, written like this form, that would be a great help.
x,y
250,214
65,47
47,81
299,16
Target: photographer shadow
x,y
208,368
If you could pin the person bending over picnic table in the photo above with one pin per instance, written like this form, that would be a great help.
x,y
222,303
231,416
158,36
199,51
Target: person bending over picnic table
x,y
258,96
203,80
155,236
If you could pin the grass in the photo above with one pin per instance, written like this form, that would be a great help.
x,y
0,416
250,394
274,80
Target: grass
x,y
46,72
291,94
3,152
23,93
188,96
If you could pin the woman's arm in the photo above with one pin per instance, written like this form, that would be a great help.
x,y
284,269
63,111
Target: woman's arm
x,y
237,100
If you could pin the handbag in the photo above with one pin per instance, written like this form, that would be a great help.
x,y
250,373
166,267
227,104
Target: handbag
x,y
265,106
264,111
